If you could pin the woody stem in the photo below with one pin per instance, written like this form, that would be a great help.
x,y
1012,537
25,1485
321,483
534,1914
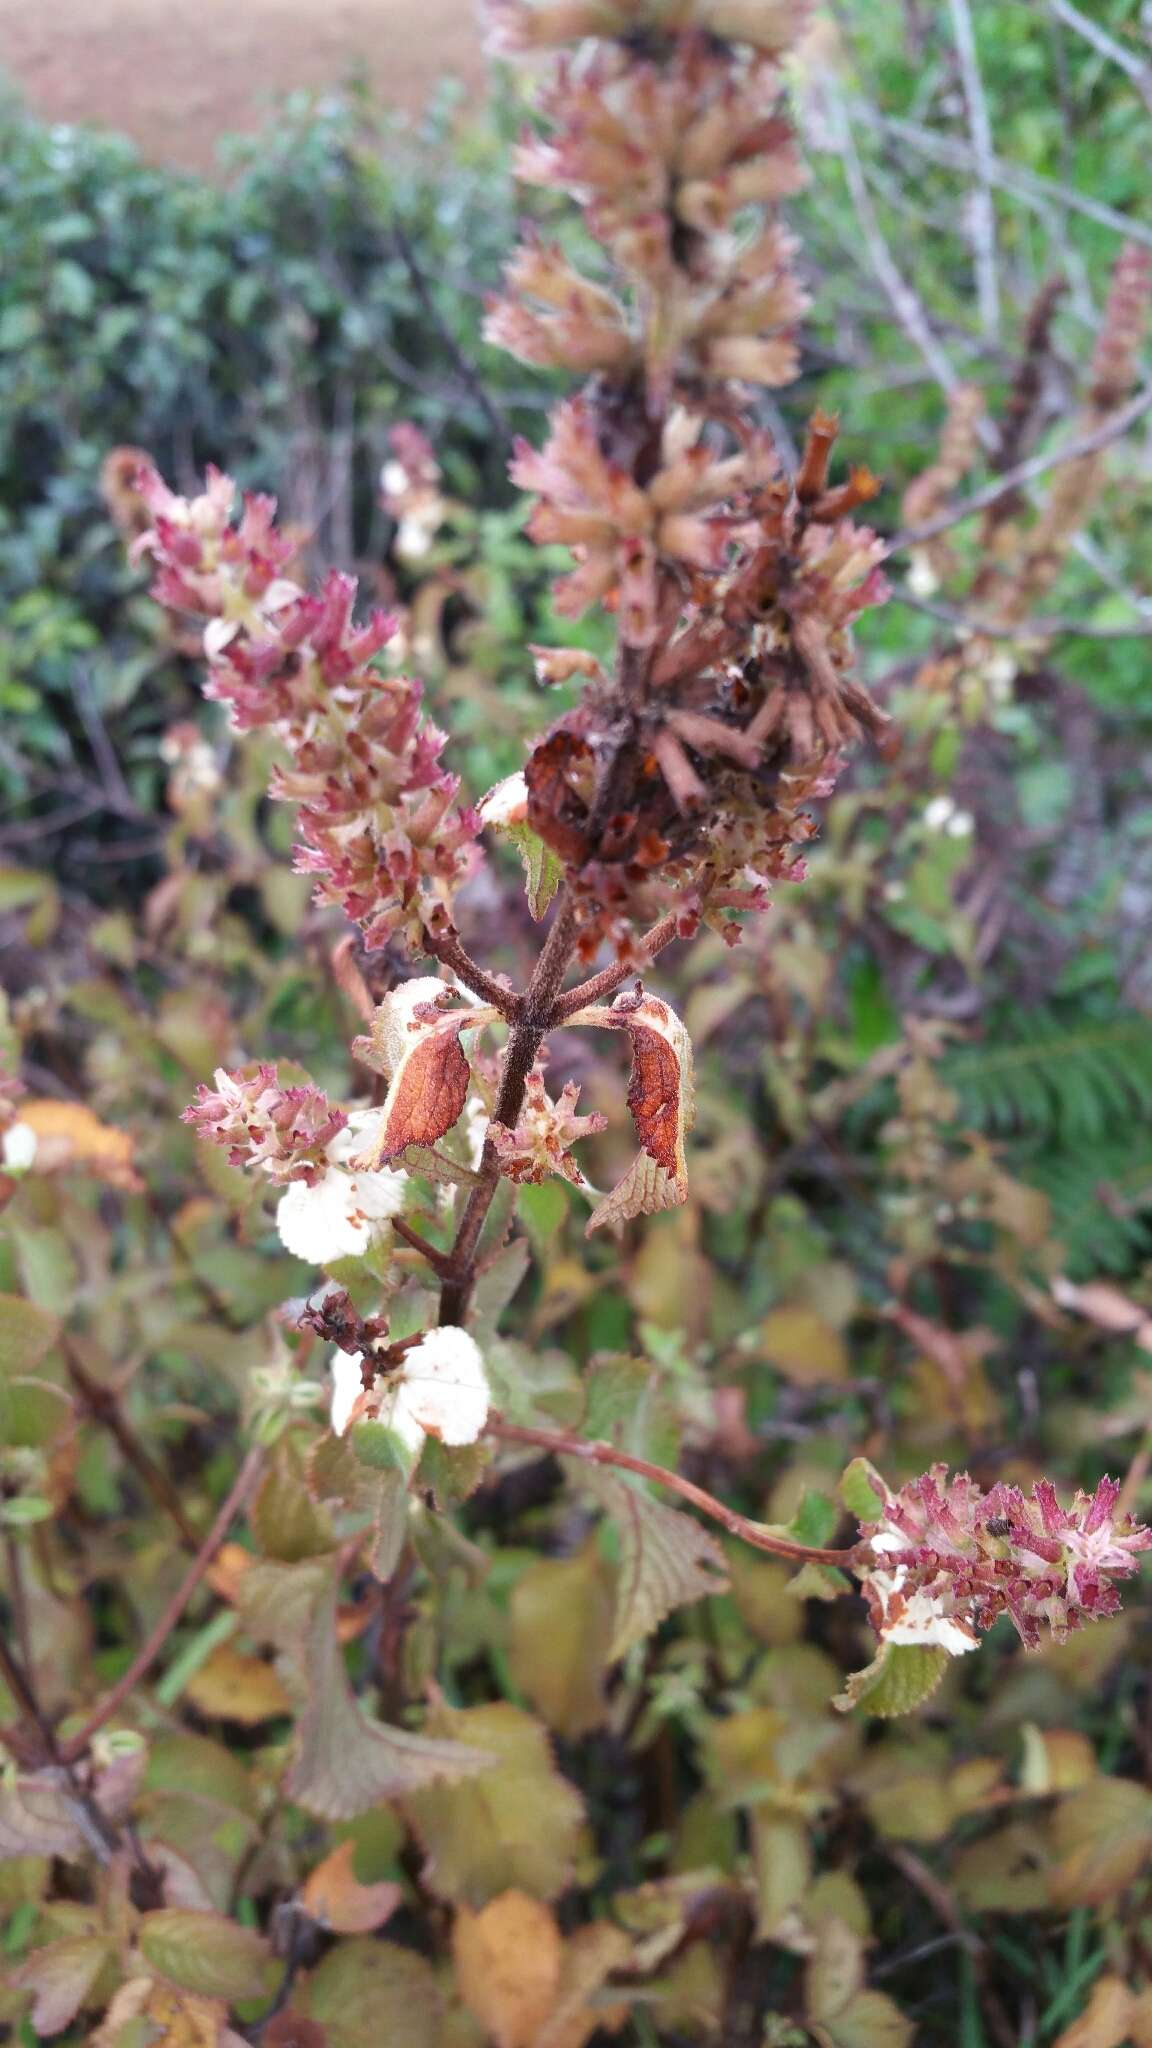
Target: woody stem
x,y
753,1533
533,1018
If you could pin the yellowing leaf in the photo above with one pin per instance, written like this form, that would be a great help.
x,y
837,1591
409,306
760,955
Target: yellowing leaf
x,y
801,1345
1106,2019
61,1977
344,1762
508,1959
782,1853
335,1898
286,1523
230,1686
27,1334
204,1952
666,1558
69,1135
661,1097
514,1829
163,2015
1101,1837
416,1043
840,2013
373,1991
582,2007
560,1617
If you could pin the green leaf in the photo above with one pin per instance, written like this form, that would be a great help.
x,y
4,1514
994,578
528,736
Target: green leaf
x,y
900,1678
543,869
345,1762
666,1558
862,1491
373,1991
286,1522
560,1634
27,1334
515,1829
204,1952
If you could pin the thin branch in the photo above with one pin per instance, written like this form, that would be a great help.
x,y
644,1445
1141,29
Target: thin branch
x,y
983,210
441,1262
755,1533
1134,67
448,950
103,1405
611,978
469,377
1026,472
1043,192
242,1488
1043,627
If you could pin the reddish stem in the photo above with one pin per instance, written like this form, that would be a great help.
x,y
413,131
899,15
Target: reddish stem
x,y
146,1656
754,1533
611,978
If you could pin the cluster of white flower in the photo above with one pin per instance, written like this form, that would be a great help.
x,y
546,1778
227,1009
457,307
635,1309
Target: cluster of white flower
x,y
439,1389
335,1218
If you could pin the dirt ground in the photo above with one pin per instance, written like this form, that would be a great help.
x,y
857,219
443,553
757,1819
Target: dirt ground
x,y
177,74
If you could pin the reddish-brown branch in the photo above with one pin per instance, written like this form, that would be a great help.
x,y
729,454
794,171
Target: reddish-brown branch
x,y
611,978
440,1261
754,1533
148,1652
446,948
103,1405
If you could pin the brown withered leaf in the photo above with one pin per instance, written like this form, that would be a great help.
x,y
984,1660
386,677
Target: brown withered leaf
x,y
508,1959
61,1976
561,775
1106,2021
661,1097
415,1042
70,1137
334,1897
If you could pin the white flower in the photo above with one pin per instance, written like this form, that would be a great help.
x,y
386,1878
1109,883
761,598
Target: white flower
x,y
922,578
942,815
347,1387
506,802
921,1617
439,1389
336,1218
18,1148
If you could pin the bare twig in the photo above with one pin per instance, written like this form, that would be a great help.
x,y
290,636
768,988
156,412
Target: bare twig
x,y
1134,67
983,210
469,377
1052,626
449,951
611,978
103,1405
755,1533
242,1487
1111,430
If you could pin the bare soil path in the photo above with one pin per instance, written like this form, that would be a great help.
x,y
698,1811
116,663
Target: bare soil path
x,y
178,74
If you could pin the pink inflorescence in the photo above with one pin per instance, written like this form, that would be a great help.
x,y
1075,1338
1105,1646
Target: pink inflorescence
x,y
286,1131
950,1559
378,822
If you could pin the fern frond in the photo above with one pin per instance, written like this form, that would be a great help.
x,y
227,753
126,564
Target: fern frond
x,y
1101,1203
1057,1080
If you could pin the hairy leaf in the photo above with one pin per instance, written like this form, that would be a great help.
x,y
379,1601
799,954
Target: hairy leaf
x,y
416,1043
862,1491
514,1829
666,1558
204,1952
37,1818
661,1097
230,1686
900,1678
61,1977
560,1617
372,1991
345,1762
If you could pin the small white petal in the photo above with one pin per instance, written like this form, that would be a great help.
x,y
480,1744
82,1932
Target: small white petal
x,y
506,802
939,813
443,1387
347,1386
19,1148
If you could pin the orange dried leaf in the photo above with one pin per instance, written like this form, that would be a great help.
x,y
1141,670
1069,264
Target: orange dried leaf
x,y
230,1686
336,1900
416,1043
508,1960
70,1136
661,1097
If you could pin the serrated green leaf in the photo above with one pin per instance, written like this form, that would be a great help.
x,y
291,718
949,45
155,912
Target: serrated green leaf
x,y
204,1952
543,869
345,1762
862,1491
373,1991
900,1678
286,1522
666,1558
